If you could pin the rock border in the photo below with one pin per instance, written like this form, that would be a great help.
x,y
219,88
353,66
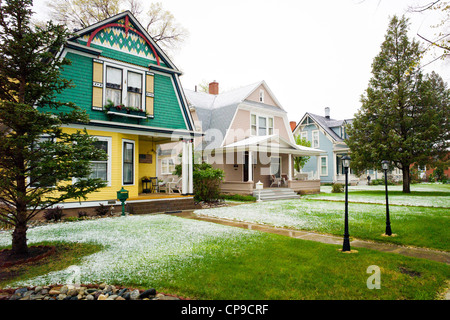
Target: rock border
x,y
84,292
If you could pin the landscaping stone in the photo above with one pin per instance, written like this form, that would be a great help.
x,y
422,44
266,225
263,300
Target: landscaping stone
x,y
147,293
89,292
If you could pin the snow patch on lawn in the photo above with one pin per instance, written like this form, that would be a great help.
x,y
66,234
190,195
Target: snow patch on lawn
x,y
146,247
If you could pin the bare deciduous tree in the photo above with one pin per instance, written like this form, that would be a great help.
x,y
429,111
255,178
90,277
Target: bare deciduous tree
x,y
159,23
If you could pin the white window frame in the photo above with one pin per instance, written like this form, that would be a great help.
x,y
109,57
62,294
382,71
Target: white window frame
x,y
326,166
125,69
257,124
134,161
165,166
304,135
261,95
109,161
313,133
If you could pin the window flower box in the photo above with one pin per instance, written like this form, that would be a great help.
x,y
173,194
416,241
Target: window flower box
x,y
123,111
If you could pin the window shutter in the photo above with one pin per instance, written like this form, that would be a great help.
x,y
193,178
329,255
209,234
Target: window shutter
x,y
149,93
97,85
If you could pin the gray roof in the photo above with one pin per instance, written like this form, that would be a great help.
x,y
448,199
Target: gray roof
x,y
216,111
327,124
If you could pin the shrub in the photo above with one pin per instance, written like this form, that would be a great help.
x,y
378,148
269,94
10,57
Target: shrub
x,y
82,214
206,181
337,188
55,214
102,210
238,197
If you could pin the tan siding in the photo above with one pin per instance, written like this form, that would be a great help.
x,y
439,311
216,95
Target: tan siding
x,y
254,96
239,128
280,128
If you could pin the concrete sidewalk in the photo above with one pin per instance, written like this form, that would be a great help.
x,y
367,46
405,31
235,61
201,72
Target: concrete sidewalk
x,y
434,255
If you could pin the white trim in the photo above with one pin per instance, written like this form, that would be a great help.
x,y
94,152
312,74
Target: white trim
x,y
109,161
134,161
131,131
326,166
304,135
318,139
125,68
261,115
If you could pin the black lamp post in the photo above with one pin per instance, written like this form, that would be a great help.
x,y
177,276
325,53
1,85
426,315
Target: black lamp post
x,y
346,163
385,165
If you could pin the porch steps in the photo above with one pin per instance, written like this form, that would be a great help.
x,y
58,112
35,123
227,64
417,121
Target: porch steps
x,y
276,194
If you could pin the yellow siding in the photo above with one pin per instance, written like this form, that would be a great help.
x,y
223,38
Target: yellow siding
x,y
144,147
146,169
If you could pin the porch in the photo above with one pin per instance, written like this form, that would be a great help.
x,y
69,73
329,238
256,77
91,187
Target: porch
x,y
267,159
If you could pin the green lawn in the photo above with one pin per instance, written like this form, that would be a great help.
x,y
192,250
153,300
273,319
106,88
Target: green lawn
x,y
415,224
203,260
428,195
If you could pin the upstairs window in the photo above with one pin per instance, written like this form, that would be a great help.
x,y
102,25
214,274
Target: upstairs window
x,y
261,125
261,95
253,125
114,85
134,90
270,128
315,139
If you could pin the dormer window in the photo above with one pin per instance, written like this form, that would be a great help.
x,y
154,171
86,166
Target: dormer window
x,y
261,95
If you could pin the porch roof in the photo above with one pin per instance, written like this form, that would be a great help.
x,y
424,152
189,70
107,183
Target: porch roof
x,y
271,144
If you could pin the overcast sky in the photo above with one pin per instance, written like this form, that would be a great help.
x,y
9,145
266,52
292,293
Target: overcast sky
x,y
312,54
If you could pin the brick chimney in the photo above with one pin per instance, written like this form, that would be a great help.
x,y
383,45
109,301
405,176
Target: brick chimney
x,y
213,88
293,125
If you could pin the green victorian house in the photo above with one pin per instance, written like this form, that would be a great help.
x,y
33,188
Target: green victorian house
x,y
133,95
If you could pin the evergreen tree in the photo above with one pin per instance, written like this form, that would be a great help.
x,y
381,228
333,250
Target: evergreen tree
x,y
404,114
38,160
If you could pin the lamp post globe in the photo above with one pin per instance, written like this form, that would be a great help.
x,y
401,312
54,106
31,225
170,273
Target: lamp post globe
x,y
346,163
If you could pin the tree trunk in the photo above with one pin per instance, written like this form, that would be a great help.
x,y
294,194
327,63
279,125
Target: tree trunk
x,y
406,179
19,239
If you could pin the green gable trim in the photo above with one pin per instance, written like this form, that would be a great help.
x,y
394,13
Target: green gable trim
x,y
122,56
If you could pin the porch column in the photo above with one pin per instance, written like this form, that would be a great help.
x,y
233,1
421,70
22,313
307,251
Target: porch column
x,y
190,168
250,165
318,167
184,168
290,166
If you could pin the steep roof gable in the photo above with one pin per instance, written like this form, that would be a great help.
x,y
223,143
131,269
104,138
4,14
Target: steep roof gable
x,y
124,34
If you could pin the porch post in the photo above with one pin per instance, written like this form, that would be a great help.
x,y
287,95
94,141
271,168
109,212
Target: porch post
x,y
290,167
318,167
190,168
250,165
184,168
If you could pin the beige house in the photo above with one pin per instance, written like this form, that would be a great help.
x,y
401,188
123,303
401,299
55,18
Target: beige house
x,y
248,135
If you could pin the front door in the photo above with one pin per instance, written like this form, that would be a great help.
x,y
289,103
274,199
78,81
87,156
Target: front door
x,y
246,164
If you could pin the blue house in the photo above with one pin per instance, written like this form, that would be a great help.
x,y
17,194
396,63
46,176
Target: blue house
x,y
326,134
